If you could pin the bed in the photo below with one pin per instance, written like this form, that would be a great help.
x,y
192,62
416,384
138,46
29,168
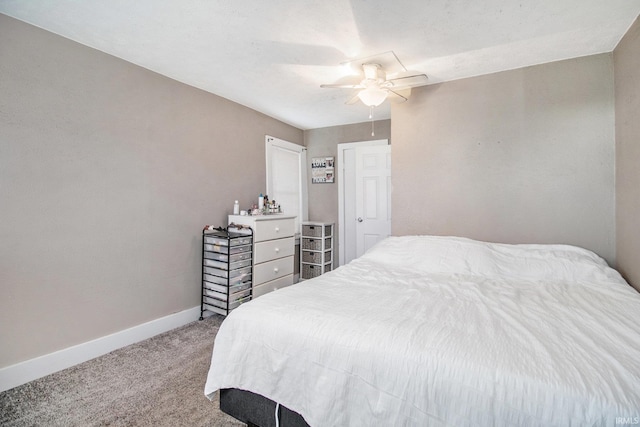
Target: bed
x,y
440,331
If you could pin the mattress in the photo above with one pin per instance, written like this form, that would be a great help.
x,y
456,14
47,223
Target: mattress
x,y
443,331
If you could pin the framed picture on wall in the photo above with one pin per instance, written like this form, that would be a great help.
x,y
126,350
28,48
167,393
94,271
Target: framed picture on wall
x,y
322,170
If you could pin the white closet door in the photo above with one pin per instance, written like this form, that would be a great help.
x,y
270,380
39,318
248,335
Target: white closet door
x,y
373,196
286,177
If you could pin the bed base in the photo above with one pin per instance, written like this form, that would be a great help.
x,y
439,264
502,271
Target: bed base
x,y
257,410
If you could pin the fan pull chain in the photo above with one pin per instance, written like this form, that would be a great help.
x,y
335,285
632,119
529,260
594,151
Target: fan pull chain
x,y
371,118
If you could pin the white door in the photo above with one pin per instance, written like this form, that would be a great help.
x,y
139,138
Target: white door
x,y
287,177
373,196
350,231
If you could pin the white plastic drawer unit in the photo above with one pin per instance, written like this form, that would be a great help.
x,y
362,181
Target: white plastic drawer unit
x,y
274,229
273,249
227,269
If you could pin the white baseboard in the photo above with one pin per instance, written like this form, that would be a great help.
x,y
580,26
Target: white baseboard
x,y
29,370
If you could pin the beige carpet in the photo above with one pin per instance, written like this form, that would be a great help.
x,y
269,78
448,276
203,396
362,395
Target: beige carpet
x,y
157,382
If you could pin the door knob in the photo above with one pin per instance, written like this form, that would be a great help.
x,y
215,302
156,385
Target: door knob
x,y
360,219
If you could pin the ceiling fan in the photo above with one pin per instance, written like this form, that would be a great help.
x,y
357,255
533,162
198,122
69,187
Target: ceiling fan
x,y
373,84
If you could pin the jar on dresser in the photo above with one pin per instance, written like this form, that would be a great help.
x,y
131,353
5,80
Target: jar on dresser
x,y
273,250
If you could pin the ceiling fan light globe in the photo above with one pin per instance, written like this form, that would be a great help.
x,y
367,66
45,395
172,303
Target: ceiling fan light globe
x,y
372,96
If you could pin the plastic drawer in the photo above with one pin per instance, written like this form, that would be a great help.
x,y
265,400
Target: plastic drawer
x,y
223,265
224,257
227,273
222,281
223,249
220,291
223,304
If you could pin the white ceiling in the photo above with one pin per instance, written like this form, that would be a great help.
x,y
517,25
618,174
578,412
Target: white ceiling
x,y
272,55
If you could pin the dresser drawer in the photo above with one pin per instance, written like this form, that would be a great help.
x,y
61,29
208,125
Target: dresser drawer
x,y
273,285
272,270
273,229
273,249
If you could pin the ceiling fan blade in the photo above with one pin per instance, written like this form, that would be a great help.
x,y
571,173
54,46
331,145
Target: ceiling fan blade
x,y
409,81
398,96
354,99
338,86
346,82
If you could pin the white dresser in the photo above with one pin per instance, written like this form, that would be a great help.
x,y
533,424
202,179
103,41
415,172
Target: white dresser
x,y
273,250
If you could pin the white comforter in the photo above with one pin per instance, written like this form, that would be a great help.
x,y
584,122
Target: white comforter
x,y
431,331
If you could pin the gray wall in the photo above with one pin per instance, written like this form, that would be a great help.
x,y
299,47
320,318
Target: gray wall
x,y
519,156
627,90
322,142
108,172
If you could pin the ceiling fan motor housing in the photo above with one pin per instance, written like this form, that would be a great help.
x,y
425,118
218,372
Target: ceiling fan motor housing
x,y
373,73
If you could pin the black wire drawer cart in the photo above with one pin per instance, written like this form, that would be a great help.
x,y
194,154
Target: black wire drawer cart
x,y
227,263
